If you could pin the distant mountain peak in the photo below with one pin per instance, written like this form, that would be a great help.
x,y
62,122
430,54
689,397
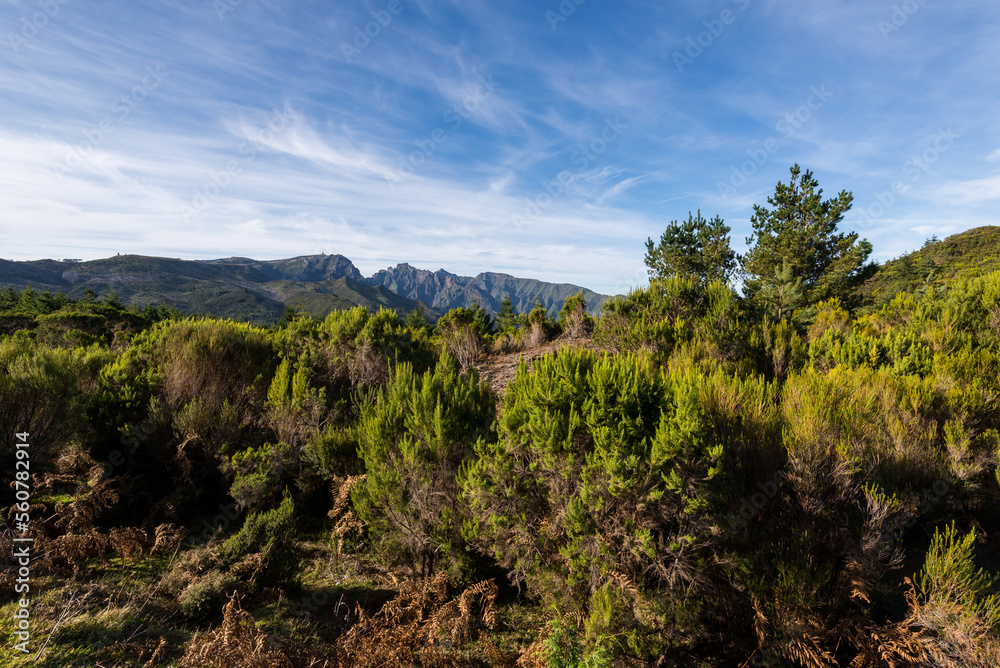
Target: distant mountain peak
x,y
442,290
259,290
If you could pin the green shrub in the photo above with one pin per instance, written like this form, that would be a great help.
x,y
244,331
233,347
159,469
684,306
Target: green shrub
x,y
562,649
671,313
44,391
414,435
270,534
205,596
573,318
607,473
954,591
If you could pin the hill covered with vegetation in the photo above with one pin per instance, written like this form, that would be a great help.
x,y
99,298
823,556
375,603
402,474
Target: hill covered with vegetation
x,y
779,477
968,254
261,291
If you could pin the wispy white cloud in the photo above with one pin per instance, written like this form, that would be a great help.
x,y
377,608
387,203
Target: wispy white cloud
x,y
976,191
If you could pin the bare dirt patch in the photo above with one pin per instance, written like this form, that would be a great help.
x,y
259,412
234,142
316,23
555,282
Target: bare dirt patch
x,y
499,369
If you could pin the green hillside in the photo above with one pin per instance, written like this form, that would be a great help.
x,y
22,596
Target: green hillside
x,y
238,288
969,254
258,291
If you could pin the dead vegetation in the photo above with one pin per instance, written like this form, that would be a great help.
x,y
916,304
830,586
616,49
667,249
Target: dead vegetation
x,y
422,626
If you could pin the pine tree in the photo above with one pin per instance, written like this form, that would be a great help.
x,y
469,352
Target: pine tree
x,y
481,318
506,320
784,294
697,247
418,318
801,227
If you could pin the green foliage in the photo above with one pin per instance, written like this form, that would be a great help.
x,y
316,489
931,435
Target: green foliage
x,y
44,391
271,534
801,228
414,435
783,349
461,333
697,247
573,317
259,475
782,295
875,425
562,649
351,350
507,320
418,318
210,360
334,450
481,318
953,586
674,313
606,471
207,595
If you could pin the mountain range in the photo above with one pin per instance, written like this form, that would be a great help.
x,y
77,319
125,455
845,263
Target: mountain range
x,y
259,290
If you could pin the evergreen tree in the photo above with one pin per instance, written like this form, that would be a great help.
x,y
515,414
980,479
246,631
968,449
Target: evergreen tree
x,y
506,320
801,227
784,294
696,247
8,300
28,300
287,316
418,318
481,318
112,300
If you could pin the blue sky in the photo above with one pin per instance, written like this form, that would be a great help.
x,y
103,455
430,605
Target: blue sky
x,y
541,139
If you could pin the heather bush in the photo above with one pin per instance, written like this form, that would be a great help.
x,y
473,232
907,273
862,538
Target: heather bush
x,y
413,437
609,476
270,534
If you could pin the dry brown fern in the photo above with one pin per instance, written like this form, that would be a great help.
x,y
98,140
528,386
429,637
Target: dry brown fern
x,y
236,643
128,542
167,538
70,552
421,626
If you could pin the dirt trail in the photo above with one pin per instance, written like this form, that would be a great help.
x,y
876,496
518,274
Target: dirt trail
x,y
499,369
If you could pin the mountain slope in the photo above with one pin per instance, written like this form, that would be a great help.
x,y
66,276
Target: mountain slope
x,y
259,290
971,253
238,288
